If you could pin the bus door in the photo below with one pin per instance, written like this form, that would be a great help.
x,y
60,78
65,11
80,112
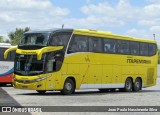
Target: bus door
x,y
78,61
95,70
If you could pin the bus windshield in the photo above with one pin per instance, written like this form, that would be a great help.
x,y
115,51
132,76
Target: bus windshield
x,y
35,39
28,64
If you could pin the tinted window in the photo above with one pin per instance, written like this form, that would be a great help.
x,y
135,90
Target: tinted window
x,y
35,39
95,44
109,46
144,49
60,39
152,49
134,48
122,47
54,61
10,56
78,44
2,53
28,64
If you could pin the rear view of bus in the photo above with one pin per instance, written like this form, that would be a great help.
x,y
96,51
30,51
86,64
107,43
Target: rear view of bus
x,y
6,66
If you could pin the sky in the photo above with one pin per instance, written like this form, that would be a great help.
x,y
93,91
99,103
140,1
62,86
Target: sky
x,y
136,18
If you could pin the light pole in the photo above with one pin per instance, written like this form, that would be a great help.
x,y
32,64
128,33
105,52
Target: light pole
x,y
154,36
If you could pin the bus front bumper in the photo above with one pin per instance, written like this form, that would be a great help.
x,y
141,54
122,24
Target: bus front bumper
x,y
30,86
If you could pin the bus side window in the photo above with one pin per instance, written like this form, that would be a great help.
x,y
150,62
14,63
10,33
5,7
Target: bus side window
x,y
60,39
95,44
12,55
144,49
2,54
122,47
54,61
78,44
134,48
152,49
109,45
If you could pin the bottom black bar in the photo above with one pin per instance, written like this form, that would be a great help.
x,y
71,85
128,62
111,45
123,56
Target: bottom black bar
x,y
80,109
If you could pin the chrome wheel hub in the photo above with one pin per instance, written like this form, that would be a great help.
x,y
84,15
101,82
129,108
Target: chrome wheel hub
x,y
68,86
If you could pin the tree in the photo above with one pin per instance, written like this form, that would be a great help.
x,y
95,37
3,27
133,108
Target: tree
x,y
17,35
7,41
4,41
1,39
158,56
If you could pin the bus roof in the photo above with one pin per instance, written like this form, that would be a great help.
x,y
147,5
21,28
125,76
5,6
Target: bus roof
x,y
48,31
109,35
5,45
93,33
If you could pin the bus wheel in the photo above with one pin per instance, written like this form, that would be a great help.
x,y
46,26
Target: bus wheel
x,y
11,84
112,90
69,87
137,84
41,91
128,85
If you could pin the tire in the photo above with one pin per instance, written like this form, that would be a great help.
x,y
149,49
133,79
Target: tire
x,y
11,84
137,84
69,87
41,91
112,90
128,85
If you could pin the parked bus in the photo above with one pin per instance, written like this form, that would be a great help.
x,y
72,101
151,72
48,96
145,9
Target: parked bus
x,y
68,59
6,66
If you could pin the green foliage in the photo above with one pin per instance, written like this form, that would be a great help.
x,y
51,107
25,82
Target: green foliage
x,y
17,35
7,41
3,41
158,56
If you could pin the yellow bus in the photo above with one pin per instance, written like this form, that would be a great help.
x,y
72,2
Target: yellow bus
x,y
68,59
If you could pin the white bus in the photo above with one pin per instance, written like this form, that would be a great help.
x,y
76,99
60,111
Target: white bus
x,y
6,66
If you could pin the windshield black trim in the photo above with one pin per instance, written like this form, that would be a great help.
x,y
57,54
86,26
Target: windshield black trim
x,y
30,47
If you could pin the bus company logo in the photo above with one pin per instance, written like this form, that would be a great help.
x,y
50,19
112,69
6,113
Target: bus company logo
x,y
4,67
138,61
6,109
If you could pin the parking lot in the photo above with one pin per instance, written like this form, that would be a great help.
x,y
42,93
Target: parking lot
x,y
16,97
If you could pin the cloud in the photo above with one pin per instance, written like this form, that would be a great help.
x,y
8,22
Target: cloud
x,y
152,10
37,14
153,1
145,33
155,28
140,33
24,4
137,21
122,17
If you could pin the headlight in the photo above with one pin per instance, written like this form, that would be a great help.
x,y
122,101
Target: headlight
x,y
40,79
31,81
